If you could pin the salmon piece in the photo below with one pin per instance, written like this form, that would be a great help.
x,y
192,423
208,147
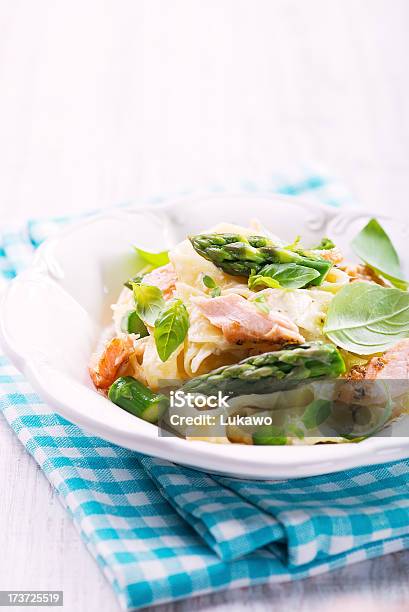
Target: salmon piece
x,y
394,364
105,366
362,272
357,372
241,321
164,278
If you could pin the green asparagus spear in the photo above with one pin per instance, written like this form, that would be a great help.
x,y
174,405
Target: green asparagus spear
x,y
269,436
246,255
134,397
271,372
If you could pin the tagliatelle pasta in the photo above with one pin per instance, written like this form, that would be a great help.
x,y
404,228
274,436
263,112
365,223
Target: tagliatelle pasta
x,y
190,267
240,311
156,371
205,343
306,307
335,280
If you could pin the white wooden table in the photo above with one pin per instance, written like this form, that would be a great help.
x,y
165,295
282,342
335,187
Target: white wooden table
x,y
105,101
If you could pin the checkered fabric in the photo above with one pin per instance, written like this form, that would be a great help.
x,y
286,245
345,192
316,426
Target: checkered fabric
x,y
161,532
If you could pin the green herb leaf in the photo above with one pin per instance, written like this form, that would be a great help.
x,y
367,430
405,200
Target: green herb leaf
x,y
316,413
258,281
132,323
294,245
134,279
324,245
375,248
148,301
154,260
261,304
287,275
365,318
146,262
171,328
209,282
293,430
269,435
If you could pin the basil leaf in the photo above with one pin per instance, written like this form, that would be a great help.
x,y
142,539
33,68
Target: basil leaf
x,y
146,263
258,281
154,260
269,435
171,328
287,275
375,248
293,430
132,323
294,245
324,245
316,413
134,279
148,301
209,282
365,318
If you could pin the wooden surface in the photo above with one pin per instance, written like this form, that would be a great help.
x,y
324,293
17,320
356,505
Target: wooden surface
x,y
105,101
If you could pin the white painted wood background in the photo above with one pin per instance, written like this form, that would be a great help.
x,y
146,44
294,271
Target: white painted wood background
x,y
109,101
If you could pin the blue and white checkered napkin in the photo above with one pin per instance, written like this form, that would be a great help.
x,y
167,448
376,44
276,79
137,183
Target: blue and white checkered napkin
x,y
162,532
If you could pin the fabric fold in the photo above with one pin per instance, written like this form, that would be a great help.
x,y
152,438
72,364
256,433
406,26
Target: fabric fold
x,y
229,524
327,515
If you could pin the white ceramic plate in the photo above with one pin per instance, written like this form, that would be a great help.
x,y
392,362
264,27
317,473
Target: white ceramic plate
x,y
52,314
